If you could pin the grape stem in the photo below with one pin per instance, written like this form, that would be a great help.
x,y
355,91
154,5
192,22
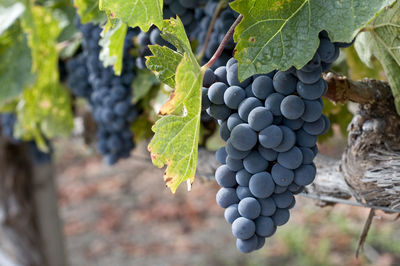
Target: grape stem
x,y
221,47
222,4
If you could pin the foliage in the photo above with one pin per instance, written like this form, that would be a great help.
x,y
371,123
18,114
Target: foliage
x,y
381,40
177,134
280,34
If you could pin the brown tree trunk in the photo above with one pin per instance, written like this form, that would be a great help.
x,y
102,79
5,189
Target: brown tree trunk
x,y
30,231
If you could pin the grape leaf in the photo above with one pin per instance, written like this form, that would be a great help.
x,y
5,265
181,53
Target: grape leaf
x,y
142,84
142,13
16,63
45,107
112,43
382,41
9,14
89,11
279,34
164,63
176,138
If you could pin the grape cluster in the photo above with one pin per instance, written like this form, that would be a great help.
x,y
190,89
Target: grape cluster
x,y
77,76
111,96
270,124
8,121
189,12
224,21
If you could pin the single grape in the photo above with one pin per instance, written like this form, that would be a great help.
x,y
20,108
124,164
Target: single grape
x,y
308,155
313,111
234,120
233,152
234,164
219,111
233,96
221,155
268,206
283,200
216,92
225,177
243,178
305,174
243,137
312,91
259,118
226,197
249,208
309,77
265,226
291,159
261,185
248,245
243,192
231,213
304,139
284,82
243,228
273,103
292,107
254,163
281,216
224,131
262,87
281,175
316,127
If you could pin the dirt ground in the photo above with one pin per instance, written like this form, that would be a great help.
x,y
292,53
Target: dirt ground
x,y
123,215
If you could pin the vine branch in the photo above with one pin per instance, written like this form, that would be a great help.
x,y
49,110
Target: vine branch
x,y
221,47
342,89
222,4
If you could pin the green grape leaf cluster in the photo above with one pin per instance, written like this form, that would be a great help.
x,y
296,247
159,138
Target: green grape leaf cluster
x,y
280,34
45,107
382,41
176,138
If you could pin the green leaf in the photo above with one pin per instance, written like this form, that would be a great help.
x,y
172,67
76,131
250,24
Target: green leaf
x,y
89,11
112,43
142,13
45,107
142,84
278,34
176,138
16,64
164,63
382,41
9,14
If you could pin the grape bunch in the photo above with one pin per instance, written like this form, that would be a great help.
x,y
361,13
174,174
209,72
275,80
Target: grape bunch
x,y
270,124
8,121
77,77
224,21
111,96
189,12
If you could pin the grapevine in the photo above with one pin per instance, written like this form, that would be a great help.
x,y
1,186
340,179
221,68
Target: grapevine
x,y
253,70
